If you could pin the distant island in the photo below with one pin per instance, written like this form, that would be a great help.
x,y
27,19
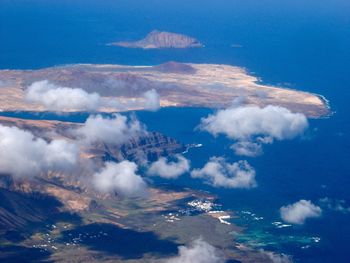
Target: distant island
x,y
161,39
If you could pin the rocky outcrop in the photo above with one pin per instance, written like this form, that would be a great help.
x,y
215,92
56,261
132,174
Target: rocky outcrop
x,y
153,146
162,39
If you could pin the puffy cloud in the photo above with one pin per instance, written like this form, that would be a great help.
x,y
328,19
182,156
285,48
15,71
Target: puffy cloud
x,y
244,122
148,100
152,100
298,212
120,178
253,126
169,169
199,251
247,148
57,98
115,130
22,154
219,173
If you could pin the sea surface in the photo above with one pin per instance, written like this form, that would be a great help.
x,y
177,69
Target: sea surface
x,y
297,44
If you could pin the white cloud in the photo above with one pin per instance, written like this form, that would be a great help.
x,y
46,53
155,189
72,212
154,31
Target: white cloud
x,y
117,129
120,178
252,126
57,98
152,100
22,154
199,251
148,100
298,212
169,169
246,148
244,122
219,173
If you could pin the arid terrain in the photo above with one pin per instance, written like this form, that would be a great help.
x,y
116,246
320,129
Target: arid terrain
x,y
52,216
178,85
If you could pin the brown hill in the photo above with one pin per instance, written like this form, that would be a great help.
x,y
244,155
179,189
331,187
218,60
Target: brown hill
x,y
162,39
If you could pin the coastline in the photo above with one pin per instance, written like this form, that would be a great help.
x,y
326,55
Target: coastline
x,y
177,84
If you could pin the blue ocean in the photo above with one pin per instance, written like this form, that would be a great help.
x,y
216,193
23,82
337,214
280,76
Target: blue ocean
x,y
298,44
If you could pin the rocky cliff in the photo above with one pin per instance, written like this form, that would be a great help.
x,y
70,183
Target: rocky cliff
x,y
148,147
